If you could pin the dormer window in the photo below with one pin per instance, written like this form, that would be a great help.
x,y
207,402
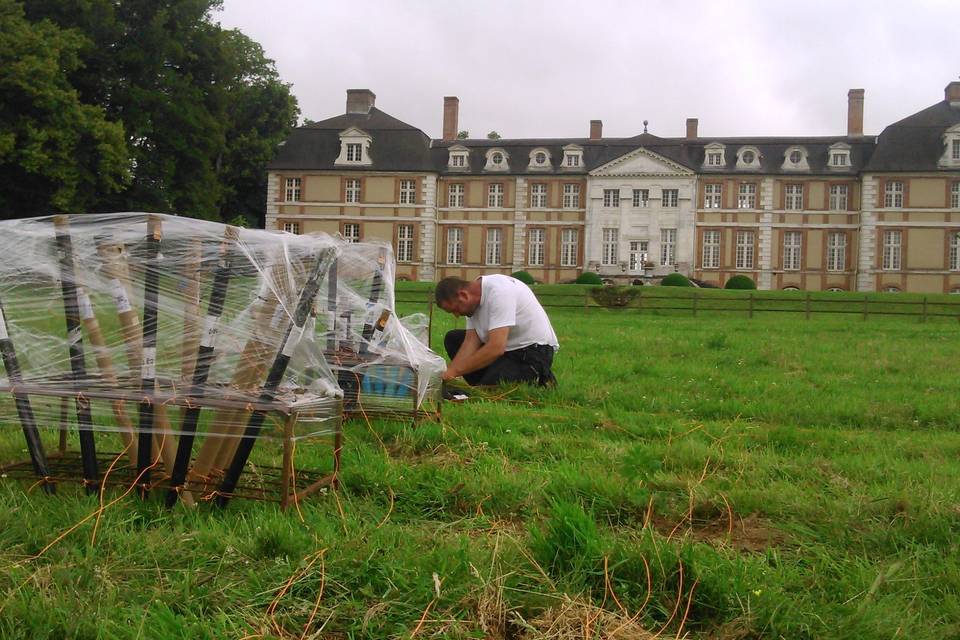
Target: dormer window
x,y
572,156
496,160
457,159
838,156
354,147
714,156
795,159
951,151
540,160
748,158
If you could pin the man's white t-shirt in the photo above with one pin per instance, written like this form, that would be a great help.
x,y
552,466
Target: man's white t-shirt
x,y
507,302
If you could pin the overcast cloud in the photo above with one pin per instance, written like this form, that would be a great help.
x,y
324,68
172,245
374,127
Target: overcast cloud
x,y
545,69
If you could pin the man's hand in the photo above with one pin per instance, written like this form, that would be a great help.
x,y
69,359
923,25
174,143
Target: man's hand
x,y
450,373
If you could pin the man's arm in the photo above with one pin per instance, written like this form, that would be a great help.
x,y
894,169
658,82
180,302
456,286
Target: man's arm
x,y
476,355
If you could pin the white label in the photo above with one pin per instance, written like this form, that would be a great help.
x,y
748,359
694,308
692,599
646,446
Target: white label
x,y
3,327
148,370
292,341
120,296
86,308
211,327
74,336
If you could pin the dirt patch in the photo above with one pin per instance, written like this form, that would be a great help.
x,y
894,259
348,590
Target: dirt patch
x,y
751,533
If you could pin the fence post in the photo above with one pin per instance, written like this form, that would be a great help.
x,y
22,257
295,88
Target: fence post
x,y
806,307
866,307
750,308
694,303
924,317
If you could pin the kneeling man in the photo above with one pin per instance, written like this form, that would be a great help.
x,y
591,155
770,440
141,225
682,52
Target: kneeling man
x,y
508,337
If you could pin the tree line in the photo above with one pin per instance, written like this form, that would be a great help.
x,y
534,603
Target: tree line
x,y
135,105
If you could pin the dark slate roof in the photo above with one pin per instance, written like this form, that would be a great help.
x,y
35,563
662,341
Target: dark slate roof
x,y
397,146
916,142
772,152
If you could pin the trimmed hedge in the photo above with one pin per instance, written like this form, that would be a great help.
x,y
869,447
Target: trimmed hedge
x,y
740,282
524,277
588,277
676,280
614,296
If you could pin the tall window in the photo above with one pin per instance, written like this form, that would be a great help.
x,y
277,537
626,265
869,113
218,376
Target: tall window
x,y
641,197
838,159
747,198
408,192
354,152
955,149
838,197
351,232
837,251
569,247
892,244
492,250
573,160
536,240
638,254
668,246
713,158
291,227
538,195
955,195
458,160
712,196
611,238
792,249
353,190
670,198
893,194
495,195
405,243
793,198
455,196
711,249
955,251
454,245
744,249
292,191
571,196
611,197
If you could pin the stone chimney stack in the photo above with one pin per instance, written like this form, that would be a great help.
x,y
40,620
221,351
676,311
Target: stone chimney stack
x,y
360,100
596,129
951,93
451,113
692,124
855,113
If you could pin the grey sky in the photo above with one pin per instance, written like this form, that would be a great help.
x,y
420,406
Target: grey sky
x,y
545,69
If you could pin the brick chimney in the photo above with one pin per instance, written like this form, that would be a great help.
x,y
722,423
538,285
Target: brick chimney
x,y
951,93
855,113
692,128
596,129
360,100
451,113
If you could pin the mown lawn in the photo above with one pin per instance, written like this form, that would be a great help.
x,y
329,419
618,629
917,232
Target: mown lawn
x,y
712,476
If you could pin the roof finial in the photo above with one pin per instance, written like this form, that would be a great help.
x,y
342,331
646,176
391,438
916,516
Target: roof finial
x,y
645,125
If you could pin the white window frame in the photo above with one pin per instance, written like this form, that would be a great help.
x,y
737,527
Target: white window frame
x,y
354,152
538,195
641,198
569,247
670,198
747,195
954,260
893,194
836,251
351,232
745,250
492,253
639,254
495,195
839,156
951,150
351,190
534,165
793,196
572,157
610,255
454,245
458,158
792,250
291,189
668,247
349,139
714,155
744,164
955,195
405,243
712,195
571,196
892,257
839,197
801,161
408,192
536,245
291,227
611,198
492,165
455,195
711,249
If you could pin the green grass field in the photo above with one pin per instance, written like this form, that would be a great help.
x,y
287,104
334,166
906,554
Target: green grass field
x,y
713,477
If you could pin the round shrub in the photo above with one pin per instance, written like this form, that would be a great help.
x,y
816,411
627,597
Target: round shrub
x,y
524,277
676,280
740,282
588,277
614,296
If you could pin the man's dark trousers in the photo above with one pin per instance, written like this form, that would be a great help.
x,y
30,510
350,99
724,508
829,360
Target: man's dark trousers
x,y
530,364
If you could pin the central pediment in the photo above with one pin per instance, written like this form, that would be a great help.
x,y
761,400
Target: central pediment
x,y
641,162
